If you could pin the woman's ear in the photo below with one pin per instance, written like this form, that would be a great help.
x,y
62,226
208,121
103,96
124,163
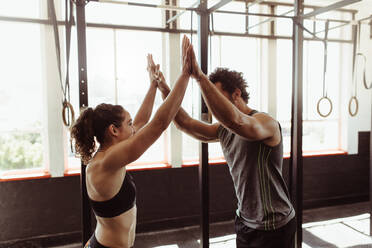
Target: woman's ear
x,y
112,130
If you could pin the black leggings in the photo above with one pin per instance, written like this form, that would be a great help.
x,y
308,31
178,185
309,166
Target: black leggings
x,y
93,243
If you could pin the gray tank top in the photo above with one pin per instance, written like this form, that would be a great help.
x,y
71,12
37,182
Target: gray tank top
x,y
256,170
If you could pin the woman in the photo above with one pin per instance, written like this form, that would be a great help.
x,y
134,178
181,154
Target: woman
x,y
121,141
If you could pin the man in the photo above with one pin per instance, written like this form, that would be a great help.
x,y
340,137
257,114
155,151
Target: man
x,y
253,148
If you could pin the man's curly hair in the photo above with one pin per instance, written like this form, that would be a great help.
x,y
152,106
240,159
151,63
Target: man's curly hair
x,y
230,80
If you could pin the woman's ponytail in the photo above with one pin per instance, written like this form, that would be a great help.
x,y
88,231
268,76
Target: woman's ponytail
x,y
83,134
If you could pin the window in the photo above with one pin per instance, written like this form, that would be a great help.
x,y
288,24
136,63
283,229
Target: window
x,y
21,97
116,61
117,74
319,133
28,9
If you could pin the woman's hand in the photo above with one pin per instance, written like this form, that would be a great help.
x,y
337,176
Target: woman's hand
x,y
190,58
162,85
153,70
186,56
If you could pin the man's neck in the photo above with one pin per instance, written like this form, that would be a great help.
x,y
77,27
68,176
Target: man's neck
x,y
243,107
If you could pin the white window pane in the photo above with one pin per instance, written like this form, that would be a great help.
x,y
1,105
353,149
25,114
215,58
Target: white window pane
x,y
190,148
74,162
284,79
229,23
191,104
215,149
185,20
21,99
133,81
320,135
21,8
255,23
286,134
284,26
231,6
100,66
313,78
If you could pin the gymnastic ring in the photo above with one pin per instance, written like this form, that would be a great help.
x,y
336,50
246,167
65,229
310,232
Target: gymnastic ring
x,y
67,105
318,107
364,71
356,106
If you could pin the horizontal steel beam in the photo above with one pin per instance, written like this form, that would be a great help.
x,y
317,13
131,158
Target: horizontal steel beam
x,y
275,16
252,14
28,20
275,37
163,30
169,7
331,7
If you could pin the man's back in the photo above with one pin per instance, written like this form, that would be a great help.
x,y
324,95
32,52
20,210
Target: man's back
x,y
256,169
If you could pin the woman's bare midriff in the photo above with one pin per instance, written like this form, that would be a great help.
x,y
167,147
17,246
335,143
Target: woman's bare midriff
x,y
119,231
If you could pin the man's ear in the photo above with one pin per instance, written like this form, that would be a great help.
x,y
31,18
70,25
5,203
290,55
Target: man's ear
x,y
236,94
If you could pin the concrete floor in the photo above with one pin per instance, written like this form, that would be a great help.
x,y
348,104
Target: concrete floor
x,y
345,226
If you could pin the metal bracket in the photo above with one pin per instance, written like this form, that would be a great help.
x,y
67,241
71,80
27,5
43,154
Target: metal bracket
x,y
80,2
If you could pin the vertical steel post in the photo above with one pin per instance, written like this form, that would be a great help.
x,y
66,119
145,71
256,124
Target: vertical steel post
x,y
83,102
370,158
272,23
296,162
370,173
203,32
246,18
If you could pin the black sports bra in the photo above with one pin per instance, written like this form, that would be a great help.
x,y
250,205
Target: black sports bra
x,y
124,200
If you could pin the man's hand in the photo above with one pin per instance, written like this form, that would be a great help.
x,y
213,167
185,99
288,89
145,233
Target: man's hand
x,y
153,70
197,73
188,57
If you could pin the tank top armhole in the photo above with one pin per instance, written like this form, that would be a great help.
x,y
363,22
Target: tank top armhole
x,y
220,129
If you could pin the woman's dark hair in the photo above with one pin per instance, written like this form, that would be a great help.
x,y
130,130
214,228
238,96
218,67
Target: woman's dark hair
x,y
230,80
93,123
